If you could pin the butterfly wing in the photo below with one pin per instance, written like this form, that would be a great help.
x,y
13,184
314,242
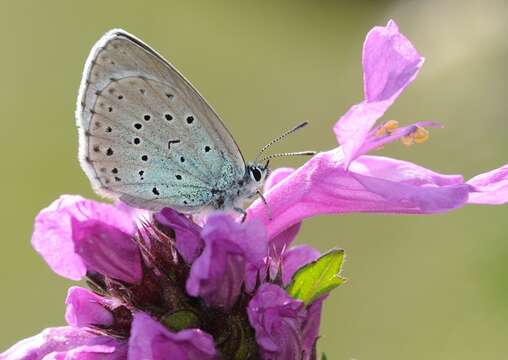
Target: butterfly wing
x,y
146,135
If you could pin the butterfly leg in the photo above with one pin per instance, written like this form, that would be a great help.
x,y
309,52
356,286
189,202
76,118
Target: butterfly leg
x,y
268,208
241,211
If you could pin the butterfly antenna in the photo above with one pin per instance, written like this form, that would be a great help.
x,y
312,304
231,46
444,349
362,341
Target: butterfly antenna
x,y
297,153
280,137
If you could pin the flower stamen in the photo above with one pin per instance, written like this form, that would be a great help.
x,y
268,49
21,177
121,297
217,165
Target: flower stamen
x,y
419,136
387,128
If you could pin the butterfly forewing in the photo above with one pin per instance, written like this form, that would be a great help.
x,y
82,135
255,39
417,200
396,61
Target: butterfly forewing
x,y
146,135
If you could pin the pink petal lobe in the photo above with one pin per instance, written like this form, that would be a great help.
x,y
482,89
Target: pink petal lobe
x,y
52,236
490,187
390,64
276,177
52,239
231,251
85,308
105,249
322,186
187,233
402,171
288,236
311,325
57,343
284,239
89,352
277,320
151,340
353,127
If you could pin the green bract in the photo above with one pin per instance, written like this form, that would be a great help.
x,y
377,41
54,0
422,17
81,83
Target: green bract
x,y
318,277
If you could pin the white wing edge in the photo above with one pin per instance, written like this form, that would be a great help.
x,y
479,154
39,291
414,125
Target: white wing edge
x,y
80,123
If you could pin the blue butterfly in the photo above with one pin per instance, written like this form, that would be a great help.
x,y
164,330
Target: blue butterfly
x,y
147,137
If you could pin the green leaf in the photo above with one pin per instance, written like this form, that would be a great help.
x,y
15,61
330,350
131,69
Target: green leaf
x,y
324,357
318,277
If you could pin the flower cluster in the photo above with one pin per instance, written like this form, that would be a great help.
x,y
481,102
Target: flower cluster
x,y
162,286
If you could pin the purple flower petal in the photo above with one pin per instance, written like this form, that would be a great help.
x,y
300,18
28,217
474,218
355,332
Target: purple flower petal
x,y
219,272
137,215
85,308
490,187
276,177
277,320
187,234
354,126
402,171
52,237
285,238
295,258
217,275
151,340
390,64
107,250
61,340
255,274
322,186
89,352
311,325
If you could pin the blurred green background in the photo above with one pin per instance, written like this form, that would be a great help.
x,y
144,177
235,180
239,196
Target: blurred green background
x,y
430,287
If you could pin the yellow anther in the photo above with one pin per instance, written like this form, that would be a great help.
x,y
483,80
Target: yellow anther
x,y
407,140
419,136
387,128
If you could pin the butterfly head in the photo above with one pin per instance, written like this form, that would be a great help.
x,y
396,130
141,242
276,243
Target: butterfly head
x,y
246,188
257,174
257,171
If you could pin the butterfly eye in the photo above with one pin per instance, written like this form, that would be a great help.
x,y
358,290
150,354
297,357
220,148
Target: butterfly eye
x,y
256,173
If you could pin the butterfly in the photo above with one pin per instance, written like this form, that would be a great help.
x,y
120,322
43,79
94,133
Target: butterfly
x,y
148,138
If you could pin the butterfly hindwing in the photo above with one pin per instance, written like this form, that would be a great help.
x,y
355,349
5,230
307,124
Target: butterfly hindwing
x,y
146,135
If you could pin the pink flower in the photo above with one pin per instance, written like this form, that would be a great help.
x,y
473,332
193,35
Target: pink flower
x,y
285,329
344,180
155,285
151,340
85,308
187,234
72,231
219,272
277,320
66,343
